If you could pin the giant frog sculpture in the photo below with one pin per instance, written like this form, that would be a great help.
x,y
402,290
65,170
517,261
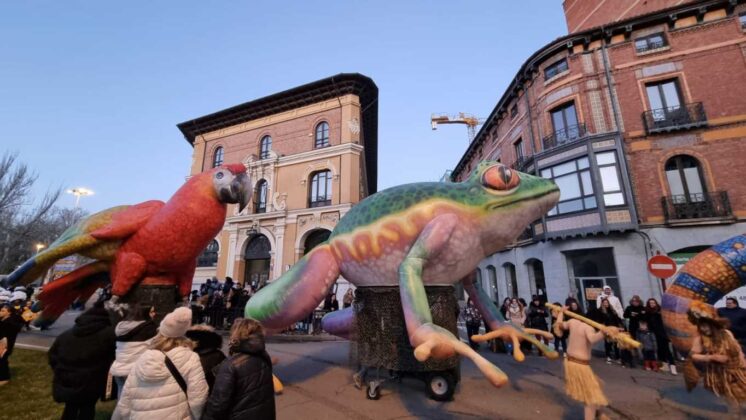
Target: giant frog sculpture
x,y
412,236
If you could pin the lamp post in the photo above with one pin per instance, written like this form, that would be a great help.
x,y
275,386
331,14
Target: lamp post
x,y
39,247
79,192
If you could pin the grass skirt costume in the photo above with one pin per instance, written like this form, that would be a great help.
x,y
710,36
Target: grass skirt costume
x,y
581,384
727,380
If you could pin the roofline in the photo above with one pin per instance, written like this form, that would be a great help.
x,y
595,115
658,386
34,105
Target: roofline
x,y
584,37
319,90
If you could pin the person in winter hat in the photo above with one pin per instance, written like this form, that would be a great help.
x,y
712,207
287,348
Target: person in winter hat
x,y
80,359
133,338
208,345
243,386
152,389
10,326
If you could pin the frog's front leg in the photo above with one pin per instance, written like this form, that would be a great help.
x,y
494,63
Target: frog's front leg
x,y
499,327
428,339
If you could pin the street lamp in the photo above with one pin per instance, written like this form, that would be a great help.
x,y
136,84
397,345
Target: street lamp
x,y
39,247
79,192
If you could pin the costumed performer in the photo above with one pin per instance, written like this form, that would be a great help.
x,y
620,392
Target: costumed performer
x,y
581,384
719,356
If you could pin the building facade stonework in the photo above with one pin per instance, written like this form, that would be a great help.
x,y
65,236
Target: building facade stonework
x,y
641,122
311,153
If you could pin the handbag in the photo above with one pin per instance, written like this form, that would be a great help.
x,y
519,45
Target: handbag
x,y
179,380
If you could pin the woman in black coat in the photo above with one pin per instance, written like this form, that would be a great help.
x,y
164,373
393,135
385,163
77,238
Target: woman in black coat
x,y
80,359
208,348
243,386
655,324
10,326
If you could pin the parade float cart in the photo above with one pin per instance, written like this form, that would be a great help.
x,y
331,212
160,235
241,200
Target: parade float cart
x,y
383,346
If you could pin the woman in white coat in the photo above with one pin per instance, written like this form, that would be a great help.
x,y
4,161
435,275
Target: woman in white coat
x,y
156,391
133,339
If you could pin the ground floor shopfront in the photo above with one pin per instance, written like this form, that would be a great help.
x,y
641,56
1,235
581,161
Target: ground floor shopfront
x,y
580,267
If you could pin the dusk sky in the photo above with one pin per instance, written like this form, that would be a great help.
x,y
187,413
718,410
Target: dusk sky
x,y
91,92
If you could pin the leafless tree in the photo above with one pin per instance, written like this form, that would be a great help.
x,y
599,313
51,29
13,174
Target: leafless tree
x,y
24,221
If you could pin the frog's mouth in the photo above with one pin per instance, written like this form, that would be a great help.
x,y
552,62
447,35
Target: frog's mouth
x,y
545,201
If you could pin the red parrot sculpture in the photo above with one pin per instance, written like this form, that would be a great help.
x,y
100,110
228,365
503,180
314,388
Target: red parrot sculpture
x,y
151,243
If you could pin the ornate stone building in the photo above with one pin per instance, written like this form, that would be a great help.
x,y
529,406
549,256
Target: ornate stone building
x,y
639,117
311,152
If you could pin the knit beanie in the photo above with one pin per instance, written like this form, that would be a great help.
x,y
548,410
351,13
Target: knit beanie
x,y
176,323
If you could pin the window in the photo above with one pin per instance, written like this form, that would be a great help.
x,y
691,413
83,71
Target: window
x,y
685,179
321,189
650,42
608,170
322,135
565,123
742,19
209,257
260,197
518,146
576,188
514,111
555,69
265,147
217,158
664,98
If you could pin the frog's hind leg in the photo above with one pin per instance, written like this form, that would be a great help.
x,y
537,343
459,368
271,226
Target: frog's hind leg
x,y
499,326
339,322
428,339
296,293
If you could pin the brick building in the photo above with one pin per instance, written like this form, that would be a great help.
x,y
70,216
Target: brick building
x,y
311,152
639,116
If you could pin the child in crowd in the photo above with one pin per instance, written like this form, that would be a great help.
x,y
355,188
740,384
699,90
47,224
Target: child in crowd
x,y
649,346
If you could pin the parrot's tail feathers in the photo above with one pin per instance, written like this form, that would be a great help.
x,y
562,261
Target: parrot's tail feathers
x,y
80,284
14,277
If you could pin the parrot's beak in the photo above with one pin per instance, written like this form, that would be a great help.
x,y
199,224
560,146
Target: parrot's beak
x,y
241,190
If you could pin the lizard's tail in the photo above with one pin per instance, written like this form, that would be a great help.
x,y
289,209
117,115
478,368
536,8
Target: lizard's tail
x,y
296,293
707,277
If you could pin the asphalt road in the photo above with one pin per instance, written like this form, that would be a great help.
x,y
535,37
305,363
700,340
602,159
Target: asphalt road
x,y
318,385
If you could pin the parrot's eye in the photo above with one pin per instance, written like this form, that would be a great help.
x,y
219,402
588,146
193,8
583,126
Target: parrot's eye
x,y
500,178
219,175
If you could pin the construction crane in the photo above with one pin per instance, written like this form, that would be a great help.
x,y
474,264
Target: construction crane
x,y
469,120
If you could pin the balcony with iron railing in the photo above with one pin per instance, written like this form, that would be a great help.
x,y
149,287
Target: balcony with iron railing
x,y
522,163
663,120
690,207
566,135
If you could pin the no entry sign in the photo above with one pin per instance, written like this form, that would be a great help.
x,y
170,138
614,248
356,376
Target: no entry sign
x,y
662,266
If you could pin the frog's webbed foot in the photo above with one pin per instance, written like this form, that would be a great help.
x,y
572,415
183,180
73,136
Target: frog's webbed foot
x,y
515,334
431,340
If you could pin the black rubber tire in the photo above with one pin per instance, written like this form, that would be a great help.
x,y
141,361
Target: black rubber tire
x,y
440,386
372,392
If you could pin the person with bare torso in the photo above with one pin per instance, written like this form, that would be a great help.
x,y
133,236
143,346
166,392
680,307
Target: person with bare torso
x,y
581,384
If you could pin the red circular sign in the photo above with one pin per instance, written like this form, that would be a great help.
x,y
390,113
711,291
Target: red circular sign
x,y
662,266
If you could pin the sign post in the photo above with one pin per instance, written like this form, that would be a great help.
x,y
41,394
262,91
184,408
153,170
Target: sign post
x,y
662,267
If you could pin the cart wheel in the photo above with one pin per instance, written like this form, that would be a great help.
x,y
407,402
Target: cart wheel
x,y
440,386
373,391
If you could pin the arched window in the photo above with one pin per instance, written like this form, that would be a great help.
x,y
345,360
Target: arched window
x,y
265,147
322,135
685,181
511,282
260,197
209,257
314,239
492,274
321,189
217,157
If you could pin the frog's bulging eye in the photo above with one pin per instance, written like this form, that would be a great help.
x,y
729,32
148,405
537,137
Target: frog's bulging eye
x,y
500,178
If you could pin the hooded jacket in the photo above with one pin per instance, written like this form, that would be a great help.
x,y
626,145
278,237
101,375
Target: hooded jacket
x,y
81,356
151,392
133,338
243,386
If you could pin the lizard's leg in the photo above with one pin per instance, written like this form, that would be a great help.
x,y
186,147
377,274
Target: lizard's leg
x,y
296,293
499,326
428,339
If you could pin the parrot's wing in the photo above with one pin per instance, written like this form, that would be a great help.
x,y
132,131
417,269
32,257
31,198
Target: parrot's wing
x,y
96,235
124,223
